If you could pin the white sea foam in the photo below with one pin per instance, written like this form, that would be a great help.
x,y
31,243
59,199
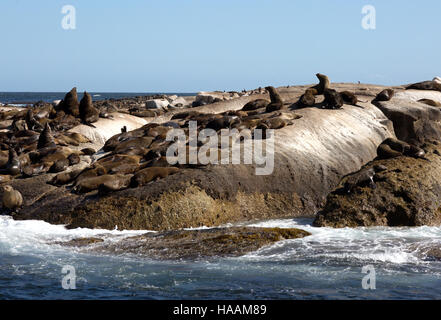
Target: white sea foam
x,y
35,236
376,245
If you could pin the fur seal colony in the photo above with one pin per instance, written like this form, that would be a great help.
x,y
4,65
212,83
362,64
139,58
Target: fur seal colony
x,y
36,144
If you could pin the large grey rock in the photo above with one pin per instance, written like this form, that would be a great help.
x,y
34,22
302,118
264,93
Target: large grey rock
x,y
156,104
413,121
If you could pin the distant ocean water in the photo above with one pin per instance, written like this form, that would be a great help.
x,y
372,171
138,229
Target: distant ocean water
x,y
24,98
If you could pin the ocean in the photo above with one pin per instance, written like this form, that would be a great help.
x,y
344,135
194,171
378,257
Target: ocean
x,y
24,98
327,265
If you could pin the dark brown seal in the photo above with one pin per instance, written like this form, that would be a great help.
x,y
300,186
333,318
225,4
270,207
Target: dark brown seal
x,y
46,140
333,99
276,100
88,113
385,95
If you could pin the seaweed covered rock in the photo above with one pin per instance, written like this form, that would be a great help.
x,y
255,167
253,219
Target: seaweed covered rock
x,y
194,244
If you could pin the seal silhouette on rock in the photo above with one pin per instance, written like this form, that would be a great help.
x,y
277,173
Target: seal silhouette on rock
x,y
255,104
349,98
147,175
392,148
70,103
425,85
46,140
430,102
324,83
88,113
333,99
31,122
13,166
308,98
385,95
276,100
364,177
12,199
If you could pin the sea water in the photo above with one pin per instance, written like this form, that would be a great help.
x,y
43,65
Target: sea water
x,y
326,265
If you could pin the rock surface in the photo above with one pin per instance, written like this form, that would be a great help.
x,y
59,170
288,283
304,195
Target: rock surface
x,y
194,244
408,191
311,156
106,128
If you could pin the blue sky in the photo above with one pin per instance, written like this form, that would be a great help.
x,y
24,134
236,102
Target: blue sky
x,y
193,45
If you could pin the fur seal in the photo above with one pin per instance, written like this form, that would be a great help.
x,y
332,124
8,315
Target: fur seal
x,y
93,183
276,100
119,182
384,151
14,166
65,177
324,83
74,159
34,169
333,99
430,102
219,123
32,123
349,98
88,113
147,175
70,103
255,104
307,99
88,151
59,166
276,123
385,95
12,199
425,85
46,140
363,178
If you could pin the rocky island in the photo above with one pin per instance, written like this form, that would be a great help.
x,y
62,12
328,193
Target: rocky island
x,y
345,154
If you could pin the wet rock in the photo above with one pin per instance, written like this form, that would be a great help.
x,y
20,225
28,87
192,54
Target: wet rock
x,y
194,244
81,242
407,194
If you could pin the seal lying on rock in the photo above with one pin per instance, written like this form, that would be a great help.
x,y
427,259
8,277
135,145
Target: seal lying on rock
x,y
111,182
425,85
255,104
12,199
385,95
430,102
147,175
350,98
333,99
392,148
363,178
307,99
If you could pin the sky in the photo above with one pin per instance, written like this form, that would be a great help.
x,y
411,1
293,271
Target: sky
x,y
202,45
